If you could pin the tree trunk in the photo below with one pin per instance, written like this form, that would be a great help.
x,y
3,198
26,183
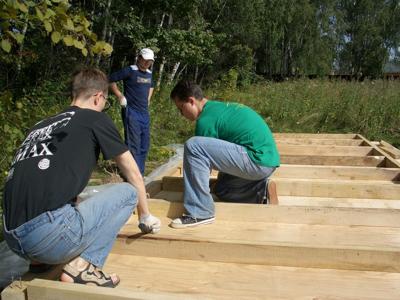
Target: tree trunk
x,y
196,73
160,73
105,29
21,48
174,70
162,21
180,72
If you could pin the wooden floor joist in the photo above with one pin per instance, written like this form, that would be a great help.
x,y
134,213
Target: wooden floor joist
x,y
319,188
369,161
213,280
334,142
325,172
330,150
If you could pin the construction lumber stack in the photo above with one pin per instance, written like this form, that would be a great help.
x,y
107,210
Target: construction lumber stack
x,y
335,234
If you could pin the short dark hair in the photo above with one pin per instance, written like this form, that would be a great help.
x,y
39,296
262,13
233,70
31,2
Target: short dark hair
x,y
185,89
87,81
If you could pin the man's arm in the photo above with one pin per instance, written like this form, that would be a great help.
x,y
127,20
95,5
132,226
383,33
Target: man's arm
x,y
114,88
150,94
129,168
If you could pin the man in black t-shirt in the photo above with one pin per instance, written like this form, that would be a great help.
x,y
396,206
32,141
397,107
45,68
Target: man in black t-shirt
x,y
42,221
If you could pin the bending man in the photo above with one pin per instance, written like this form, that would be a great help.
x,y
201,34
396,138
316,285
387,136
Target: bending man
x,y
231,138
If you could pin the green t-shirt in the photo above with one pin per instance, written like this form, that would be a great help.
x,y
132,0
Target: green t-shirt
x,y
239,124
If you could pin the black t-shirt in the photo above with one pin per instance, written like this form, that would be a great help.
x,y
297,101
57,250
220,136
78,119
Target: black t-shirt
x,y
54,163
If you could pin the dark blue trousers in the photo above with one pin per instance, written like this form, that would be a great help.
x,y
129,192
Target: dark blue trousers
x,y
137,134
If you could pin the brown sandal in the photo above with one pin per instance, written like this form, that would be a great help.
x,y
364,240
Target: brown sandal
x,y
90,275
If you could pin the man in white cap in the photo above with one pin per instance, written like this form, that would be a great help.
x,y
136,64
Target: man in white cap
x,y
138,89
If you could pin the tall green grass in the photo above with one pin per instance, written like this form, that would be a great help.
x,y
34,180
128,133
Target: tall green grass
x,y
371,108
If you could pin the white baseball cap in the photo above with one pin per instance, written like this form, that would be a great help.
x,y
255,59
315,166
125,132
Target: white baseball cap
x,y
147,54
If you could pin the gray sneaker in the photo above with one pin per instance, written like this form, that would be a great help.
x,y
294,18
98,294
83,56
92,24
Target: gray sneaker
x,y
189,221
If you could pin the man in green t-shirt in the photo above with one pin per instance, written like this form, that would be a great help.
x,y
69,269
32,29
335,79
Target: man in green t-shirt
x,y
231,138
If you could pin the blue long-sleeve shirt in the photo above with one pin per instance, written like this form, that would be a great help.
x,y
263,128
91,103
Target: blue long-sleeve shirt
x,y
136,84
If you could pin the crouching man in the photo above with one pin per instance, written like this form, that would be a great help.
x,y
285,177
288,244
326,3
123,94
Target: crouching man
x,y
231,138
42,221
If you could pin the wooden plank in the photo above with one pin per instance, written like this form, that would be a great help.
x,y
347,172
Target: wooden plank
x,y
326,172
154,187
389,149
318,246
318,188
316,135
337,172
285,214
339,202
338,188
368,161
309,201
14,291
311,150
40,289
321,141
240,281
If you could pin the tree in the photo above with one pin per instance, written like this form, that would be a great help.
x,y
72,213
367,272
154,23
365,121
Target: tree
x,y
371,30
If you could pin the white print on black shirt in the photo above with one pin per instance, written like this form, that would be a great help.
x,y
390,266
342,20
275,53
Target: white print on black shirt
x,y
44,164
39,141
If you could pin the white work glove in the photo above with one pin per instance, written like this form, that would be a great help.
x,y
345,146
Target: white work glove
x,y
149,224
122,101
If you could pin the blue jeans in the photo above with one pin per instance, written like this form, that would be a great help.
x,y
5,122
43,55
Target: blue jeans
x,y
87,230
137,134
201,155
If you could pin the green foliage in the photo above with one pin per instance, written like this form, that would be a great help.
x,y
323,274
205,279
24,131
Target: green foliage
x,y
17,116
52,18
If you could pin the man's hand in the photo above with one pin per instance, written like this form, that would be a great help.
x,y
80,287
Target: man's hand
x,y
122,101
149,224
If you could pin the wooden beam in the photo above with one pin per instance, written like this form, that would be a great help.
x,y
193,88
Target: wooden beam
x,y
368,161
316,141
389,149
16,290
318,246
311,150
316,135
337,172
326,172
339,202
40,289
285,214
318,188
213,280
338,188
309,201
